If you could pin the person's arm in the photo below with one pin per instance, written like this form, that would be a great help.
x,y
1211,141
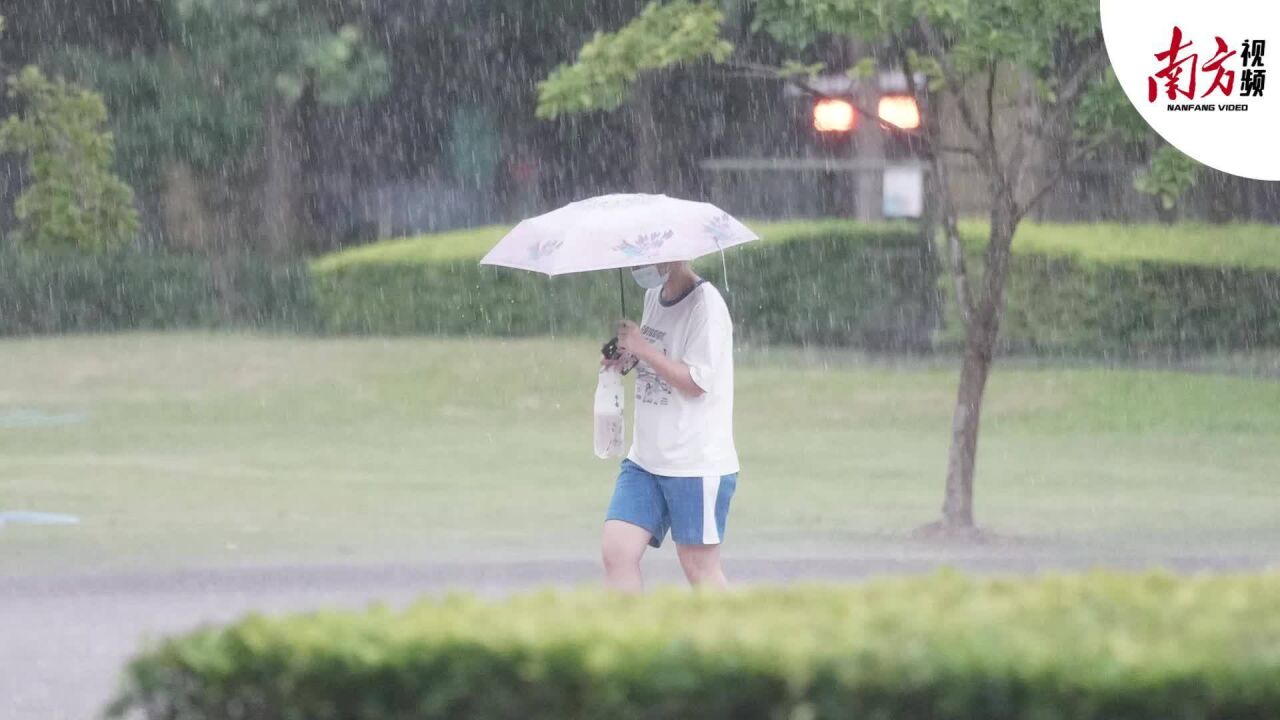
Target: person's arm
x,y
674,373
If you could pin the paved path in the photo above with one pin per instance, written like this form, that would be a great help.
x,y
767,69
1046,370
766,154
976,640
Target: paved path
x,y
64,639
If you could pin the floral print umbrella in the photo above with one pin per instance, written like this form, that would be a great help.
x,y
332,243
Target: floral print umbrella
x,y
617,231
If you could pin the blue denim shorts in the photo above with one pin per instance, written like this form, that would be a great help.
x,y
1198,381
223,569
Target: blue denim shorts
x,y
694,509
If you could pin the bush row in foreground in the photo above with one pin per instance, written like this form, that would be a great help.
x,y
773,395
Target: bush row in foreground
x,y
1096,647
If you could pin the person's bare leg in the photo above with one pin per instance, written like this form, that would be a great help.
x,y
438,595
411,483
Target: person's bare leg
x,y
621,548
701,564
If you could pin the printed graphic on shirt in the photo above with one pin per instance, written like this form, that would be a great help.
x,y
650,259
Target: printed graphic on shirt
x,y
651,389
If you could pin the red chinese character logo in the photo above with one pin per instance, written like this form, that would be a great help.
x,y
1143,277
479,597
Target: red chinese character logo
x,y
1172,73
1215,64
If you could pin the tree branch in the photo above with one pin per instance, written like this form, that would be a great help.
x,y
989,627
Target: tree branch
x,y
1065,100
991,110
960,150
954,255
1027,122
953,78
756,70
1021,210
955,247
1063,103
1094,62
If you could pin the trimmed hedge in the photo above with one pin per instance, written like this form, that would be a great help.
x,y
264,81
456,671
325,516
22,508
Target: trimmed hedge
x,y
1095,647
69,292
822,283
1073,289
1071,305
1114,289
1096,289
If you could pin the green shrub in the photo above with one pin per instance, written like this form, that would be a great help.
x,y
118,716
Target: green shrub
x,y
72,199
1134,290
74,292
808,282
1075,289
1095,647
874,289
1068,305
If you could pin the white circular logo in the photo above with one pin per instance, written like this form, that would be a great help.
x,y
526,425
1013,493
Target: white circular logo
x,y
1204,76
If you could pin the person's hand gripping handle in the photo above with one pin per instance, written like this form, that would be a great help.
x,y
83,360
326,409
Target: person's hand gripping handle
x,y
616,352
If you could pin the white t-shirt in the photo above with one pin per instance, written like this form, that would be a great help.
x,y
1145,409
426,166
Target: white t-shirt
x,y
677,435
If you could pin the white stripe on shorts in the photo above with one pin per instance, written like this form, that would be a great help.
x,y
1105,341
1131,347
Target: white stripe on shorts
x,y
710,493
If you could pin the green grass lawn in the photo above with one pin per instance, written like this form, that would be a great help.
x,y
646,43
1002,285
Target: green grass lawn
x,y
219,449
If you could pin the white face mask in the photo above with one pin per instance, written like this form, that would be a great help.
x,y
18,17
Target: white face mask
x,y
648,277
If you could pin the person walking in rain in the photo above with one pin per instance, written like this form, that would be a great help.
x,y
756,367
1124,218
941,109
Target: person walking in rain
x,y
682,469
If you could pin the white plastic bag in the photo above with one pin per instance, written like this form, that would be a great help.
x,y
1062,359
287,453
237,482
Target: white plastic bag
x,y
610,426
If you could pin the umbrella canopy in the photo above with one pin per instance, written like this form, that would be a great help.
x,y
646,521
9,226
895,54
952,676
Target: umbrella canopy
x,y
617,231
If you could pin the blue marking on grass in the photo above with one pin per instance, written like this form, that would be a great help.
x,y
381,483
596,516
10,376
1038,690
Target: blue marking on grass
x,y
28,418
27,517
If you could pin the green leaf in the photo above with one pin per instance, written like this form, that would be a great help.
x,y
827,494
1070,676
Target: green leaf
x,y
863,69
659,37
1168,177
795,69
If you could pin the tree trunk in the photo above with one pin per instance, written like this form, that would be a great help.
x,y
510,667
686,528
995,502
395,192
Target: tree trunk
x,y
188,224
193,225
227,199
981,333
280,192
309,224
957,508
